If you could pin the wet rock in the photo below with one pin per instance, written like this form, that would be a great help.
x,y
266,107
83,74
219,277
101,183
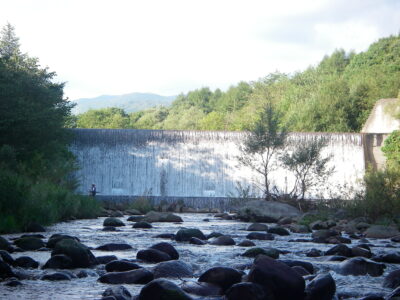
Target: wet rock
x,y
395,295
173,269
133,212
324,234
253,252
318,225
361,266
86,273
139,276
391,258
221,276
339,249
222,241
257,227
338,240
277,277
55,238
260,236
300,270
135,218
372,297
115,222
292,263
298,228
26,262
29,243
392,280
56,276
152,255
278,230
5,244
285,221
165,236
6,257
80,255
13,283
102,260
121,266
322,287
247,290
161,289
396,239
116,214
336,258
142,224
381,232
246,243
266,211
360,251
114,247
109,228
314,253
214,235
35,227
167,248
196,241
5,270
118,293
153,216
202,288
184,235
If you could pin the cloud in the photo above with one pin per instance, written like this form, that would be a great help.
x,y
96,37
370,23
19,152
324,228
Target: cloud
x,y
168,47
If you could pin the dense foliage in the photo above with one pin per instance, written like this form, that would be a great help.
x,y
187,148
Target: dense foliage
x,y
335,95
35,164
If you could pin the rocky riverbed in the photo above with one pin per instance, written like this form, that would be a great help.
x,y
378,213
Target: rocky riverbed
x,y
350,266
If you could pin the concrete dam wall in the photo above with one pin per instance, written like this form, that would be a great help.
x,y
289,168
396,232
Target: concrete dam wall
x,y
202,164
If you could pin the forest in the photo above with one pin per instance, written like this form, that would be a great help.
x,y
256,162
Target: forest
x,y
336,95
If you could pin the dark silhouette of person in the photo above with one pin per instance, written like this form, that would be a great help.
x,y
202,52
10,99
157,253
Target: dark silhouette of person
x,y
93,190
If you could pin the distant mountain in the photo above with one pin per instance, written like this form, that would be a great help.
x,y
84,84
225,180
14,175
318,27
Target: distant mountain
x,y
129,102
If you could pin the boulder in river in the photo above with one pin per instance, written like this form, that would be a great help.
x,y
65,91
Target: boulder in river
x,y
253,252
153,216
111,221
392,280
139,276
29,243
142,225
202,288
55,238
322,287
381,232
247,291
105,259
173,269
59,261
35,227
114,247
221,276
246,243
26,262
5,244
196,241
56,276
152,256
80,255
257,227
167,248
223,240
260,236
184,235
278,230
117,293
391,258
6,257
266,211
357,266
5,270
161,289
277,278
121,266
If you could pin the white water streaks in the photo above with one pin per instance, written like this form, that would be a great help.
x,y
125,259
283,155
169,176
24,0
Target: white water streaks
x,y
199,163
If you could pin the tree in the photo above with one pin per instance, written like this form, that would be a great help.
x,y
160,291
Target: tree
x,y
264,140
9,42
391,149
308,166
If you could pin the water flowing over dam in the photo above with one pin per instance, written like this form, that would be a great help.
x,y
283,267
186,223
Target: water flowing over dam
x,y
163,163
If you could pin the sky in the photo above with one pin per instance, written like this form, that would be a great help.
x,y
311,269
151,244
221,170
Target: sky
x,y
170,47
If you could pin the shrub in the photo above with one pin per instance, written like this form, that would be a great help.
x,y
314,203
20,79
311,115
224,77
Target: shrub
x,y
142,204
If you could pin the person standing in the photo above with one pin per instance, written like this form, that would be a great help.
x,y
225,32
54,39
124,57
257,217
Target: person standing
x,y
93,191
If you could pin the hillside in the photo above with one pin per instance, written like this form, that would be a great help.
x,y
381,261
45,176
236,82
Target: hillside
x,y
337,94
129,102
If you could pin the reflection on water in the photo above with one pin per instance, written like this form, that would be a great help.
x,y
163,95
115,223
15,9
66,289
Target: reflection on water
x,y
201,257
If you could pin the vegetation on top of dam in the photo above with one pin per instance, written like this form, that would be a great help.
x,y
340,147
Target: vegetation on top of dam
x,y
336,95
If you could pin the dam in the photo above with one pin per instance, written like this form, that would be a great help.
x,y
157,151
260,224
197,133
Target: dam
x,y
168,164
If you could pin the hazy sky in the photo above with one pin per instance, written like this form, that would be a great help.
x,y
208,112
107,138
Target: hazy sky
x,y
173,46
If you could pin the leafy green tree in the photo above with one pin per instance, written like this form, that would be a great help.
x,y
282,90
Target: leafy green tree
x,y
265,139
103,118
307,165
391,149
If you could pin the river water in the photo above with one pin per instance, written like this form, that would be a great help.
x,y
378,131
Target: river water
x,y
200,257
